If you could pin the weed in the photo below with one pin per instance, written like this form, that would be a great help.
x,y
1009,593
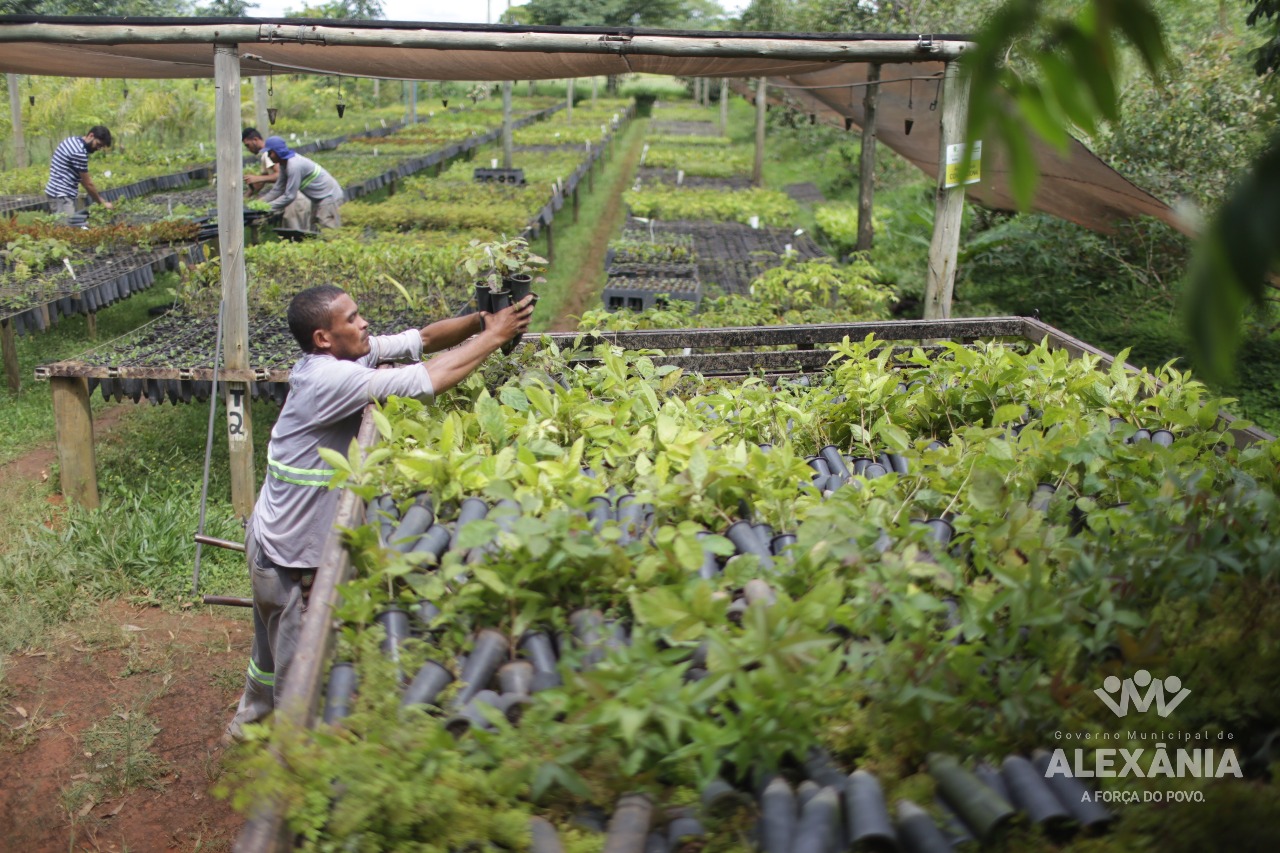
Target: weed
x,y
118,750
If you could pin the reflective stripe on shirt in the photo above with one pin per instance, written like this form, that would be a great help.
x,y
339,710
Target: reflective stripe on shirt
x,y
299,476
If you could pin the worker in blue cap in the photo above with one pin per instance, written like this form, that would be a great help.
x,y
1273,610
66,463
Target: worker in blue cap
x,y
302,176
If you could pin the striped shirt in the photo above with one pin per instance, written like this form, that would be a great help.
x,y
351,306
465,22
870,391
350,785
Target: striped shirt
x,y
70,159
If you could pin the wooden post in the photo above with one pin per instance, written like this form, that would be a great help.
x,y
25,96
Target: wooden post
x,y
413,101
73,432
591,177
260,106
949,203
867,167
706,92
235,312
91,321
595,84
569,100
15,119
551,246
575,205
9,348
506,124
757,172
724,106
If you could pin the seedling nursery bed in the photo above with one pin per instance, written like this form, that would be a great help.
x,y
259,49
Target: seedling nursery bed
x,y
809,574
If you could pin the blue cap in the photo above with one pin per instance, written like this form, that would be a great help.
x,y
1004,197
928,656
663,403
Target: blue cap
x,y
277,146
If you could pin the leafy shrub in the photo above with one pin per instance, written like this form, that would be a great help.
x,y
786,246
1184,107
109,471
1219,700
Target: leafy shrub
x,y
666,202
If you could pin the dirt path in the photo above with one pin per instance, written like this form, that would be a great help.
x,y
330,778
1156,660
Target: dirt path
x,y
127,693
35,465
584,293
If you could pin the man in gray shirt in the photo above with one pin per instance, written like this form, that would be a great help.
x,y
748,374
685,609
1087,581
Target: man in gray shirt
x,y
300,175
329,388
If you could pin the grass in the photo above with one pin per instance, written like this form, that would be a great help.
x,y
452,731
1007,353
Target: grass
x,y
28,415
574,242
117,758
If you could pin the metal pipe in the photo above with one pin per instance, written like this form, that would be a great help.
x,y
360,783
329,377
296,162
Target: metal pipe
x,y
221,543
228,600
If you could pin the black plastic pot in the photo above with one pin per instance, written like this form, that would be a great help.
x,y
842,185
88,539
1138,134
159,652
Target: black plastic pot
x,y
806,791
1042,496
632,517
778,815
860,466
425,612
431,679
599,511
434,542
820,467
981,808
917,832
470,715
472,509
543,835
899,463
682,829
381,510
873,470
586,626
518,285
719,798
538,650
819,767
942,530
747,541
835,460
866,815
657,843
629,825
819,820
1162,437
512,706
516,676
1140,435
1028,791
488,652
1071,792
710,561
338,693
395,622
736,610
484,302
417,518
757,590
780,543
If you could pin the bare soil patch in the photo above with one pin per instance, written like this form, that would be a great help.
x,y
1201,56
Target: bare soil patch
x,y
109,676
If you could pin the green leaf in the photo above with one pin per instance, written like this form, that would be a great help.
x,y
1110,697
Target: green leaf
x,y
515,398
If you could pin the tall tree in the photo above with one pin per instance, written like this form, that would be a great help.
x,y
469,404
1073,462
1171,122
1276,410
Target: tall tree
x,y
604,13
340,10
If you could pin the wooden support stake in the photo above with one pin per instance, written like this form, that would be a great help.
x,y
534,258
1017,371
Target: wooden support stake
x,y
569,100
724,106
226,61
757,171
15,122
595,84
949,203
91,320
260,114
867,167
506,124
73,431
9,348
575,205
413,101
591,177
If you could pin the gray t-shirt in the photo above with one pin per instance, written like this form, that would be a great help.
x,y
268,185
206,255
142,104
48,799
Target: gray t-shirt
x,y
296,508
297,175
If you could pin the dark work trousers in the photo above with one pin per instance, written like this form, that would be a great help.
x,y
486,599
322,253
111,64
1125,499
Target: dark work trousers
x,y
279,600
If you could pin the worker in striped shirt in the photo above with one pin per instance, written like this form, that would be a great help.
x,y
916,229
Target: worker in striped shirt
x,y
69,168
302,176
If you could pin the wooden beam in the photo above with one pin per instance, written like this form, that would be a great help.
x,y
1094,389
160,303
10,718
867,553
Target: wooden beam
x,y
762,102
505,40
235,343
948,208
9,349
506,124
15,121
867,165
73,431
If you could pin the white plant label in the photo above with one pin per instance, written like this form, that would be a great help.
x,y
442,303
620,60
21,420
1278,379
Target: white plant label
x,y
754,221
493,163
237,435
955,154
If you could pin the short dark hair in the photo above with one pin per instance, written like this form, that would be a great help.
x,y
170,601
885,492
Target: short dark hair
x,y
250,133
100,133
310,310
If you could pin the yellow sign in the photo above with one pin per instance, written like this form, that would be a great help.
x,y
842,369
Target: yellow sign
x,y
955,154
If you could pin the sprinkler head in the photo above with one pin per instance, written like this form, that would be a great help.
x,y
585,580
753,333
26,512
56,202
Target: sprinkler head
x,y
271,114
